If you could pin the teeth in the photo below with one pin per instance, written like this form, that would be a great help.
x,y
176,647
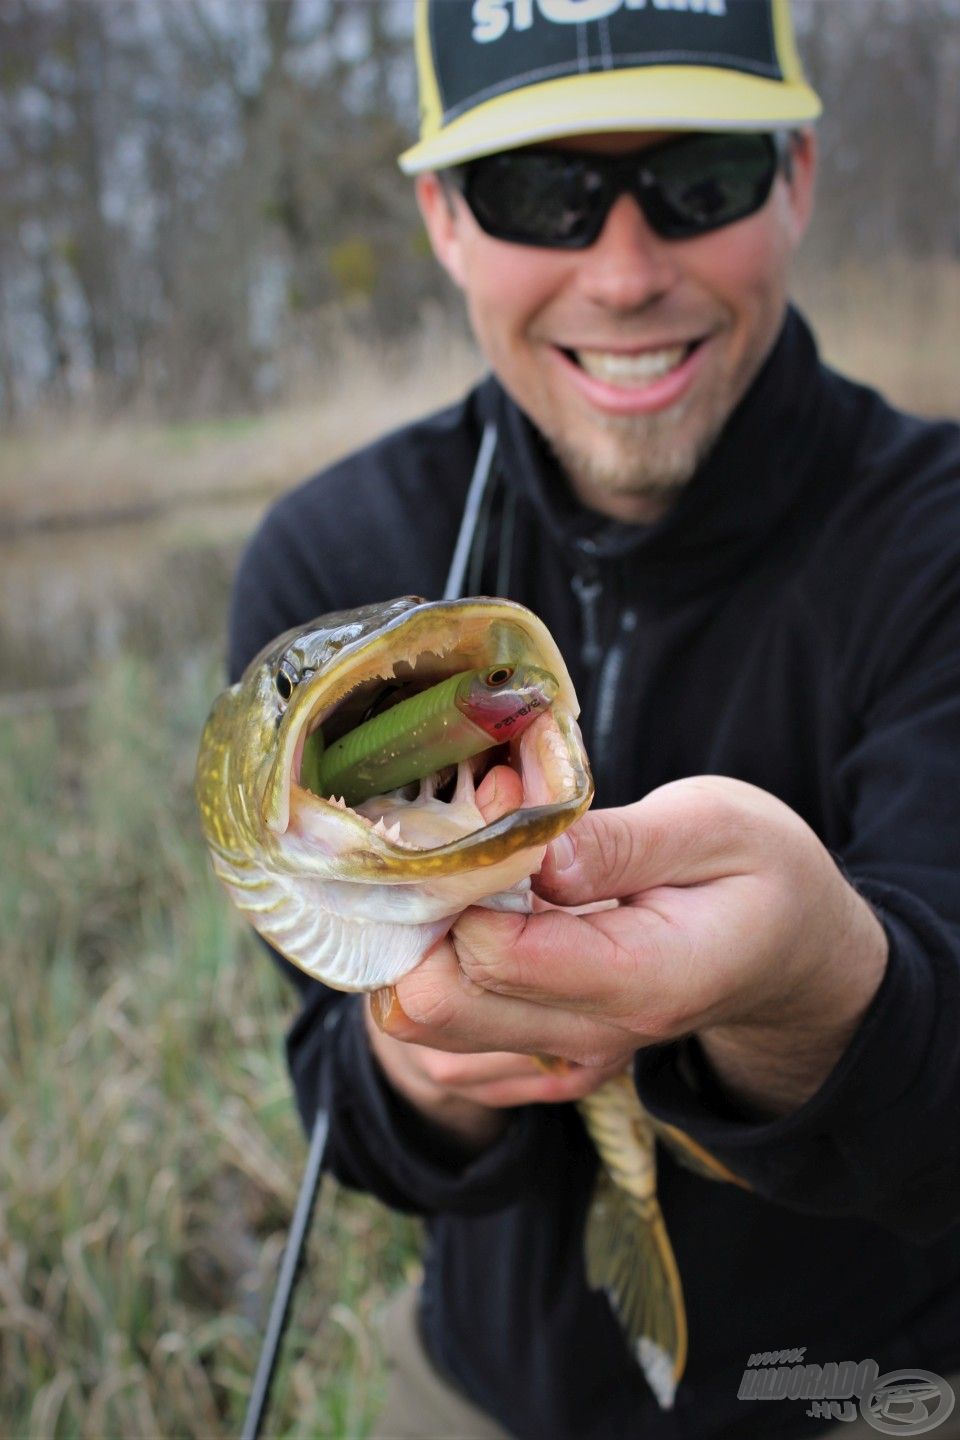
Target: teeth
x,y
626,370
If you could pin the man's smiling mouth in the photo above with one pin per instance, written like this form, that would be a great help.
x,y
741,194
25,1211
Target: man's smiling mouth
x,y
630,370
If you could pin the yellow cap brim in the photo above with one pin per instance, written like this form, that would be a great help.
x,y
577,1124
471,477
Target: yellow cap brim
x,y
663,97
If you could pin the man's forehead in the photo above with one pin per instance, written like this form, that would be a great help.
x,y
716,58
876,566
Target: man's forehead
x,y
611,142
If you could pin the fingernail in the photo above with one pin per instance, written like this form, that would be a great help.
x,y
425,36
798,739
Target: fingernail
x,y
562,852
381,1004
552,1064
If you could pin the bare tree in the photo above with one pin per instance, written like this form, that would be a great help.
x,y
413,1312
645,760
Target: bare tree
x,y
191,189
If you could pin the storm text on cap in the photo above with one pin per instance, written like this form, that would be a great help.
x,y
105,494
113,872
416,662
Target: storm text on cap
x,y
493,18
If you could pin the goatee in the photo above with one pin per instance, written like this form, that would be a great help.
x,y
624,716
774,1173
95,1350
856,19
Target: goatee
x,y
646,463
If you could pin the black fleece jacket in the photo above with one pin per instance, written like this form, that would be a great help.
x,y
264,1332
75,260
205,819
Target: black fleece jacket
x,y
794,621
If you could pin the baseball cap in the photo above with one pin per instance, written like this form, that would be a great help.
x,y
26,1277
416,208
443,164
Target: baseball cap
x,y
495,74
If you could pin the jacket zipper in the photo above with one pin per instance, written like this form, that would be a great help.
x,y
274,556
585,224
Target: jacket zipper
x,y
588,588
608,686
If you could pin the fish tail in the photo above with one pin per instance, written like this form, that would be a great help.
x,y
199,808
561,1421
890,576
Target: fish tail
x,y
629,1257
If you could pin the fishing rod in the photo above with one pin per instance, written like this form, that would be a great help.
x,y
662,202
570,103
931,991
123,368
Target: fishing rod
x,y
286,1279
292,1260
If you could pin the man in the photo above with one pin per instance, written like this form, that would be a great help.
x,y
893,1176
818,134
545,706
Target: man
x,y
752,567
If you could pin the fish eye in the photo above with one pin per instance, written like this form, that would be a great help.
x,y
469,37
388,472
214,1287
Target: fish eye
x,y
286,679
500,675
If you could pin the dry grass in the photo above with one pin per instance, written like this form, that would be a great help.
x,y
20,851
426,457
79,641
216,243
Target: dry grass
x,y
76,467
893,324
150,1151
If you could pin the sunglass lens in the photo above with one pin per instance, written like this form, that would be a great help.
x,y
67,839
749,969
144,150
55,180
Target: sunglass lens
x,y
535,198
556,199
706,182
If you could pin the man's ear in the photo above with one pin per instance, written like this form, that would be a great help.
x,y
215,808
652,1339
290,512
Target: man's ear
x,y
439,209
802,180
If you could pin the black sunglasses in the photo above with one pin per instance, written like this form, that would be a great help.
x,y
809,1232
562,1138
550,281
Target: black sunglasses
x,y
561,198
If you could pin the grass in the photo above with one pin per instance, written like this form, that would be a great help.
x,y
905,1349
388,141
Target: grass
x,y
150,1150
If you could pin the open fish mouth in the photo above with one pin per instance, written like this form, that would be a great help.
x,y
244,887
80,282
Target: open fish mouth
x,y
336,681
291,859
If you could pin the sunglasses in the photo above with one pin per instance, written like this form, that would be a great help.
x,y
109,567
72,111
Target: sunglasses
x,y
561,198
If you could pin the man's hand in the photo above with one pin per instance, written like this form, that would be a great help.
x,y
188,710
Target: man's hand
x,y
734,924
467,1094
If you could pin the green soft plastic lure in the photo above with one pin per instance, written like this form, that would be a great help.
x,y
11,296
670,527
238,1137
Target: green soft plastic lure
x,y
462,716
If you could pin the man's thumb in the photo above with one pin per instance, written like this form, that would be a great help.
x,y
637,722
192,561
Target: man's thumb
x,y
601,857
684,833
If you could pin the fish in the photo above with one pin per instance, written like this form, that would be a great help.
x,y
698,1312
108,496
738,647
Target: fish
x,y
355,896
356,891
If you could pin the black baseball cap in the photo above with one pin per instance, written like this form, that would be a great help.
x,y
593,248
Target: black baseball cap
x,y
497,74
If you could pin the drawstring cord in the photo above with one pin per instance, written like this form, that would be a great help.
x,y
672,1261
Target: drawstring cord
x,y
479,481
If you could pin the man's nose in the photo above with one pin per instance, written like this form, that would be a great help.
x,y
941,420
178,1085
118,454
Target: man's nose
x,y
628,265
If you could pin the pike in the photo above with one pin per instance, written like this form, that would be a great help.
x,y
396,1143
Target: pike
x,y
356,886
355,895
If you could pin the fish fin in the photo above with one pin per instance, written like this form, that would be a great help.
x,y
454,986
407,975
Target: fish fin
x,y
629,1256
692,1156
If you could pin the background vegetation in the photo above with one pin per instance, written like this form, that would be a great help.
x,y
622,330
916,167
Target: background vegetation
x,y
197,195
212,281
150,1154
